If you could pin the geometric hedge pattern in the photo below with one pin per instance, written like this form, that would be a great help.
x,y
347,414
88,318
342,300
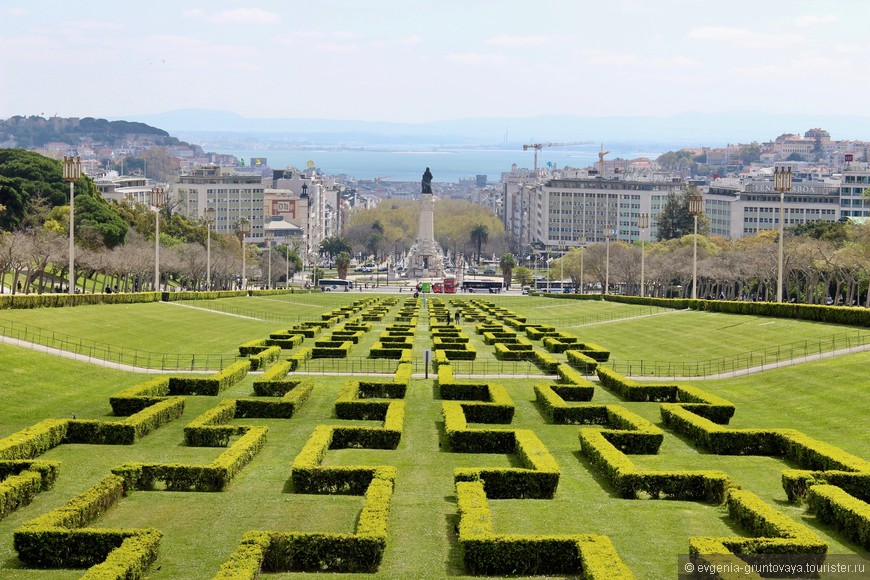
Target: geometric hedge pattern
x,y
476,418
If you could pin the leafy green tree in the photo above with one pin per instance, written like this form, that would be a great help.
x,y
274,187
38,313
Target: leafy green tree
x,y
675,221
25,175
523,276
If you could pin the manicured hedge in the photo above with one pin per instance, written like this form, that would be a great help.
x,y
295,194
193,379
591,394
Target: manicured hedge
x,y
319,552
265,357
215,476
631,483
133,399
796,482
804,451
210,386
774,532
211,428
252,347
299,357
60,538
128,431
35,440
27,301
582,362
486,553
293,396
848,514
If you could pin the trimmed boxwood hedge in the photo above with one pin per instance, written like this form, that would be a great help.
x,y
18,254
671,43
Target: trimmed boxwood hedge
x,y
486,553
61,538
35,440
848,514
210,386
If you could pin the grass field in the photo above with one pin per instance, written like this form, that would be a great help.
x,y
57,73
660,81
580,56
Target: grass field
x,y
826,400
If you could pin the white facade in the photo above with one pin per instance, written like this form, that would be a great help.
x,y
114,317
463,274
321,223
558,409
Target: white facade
x,y
231,195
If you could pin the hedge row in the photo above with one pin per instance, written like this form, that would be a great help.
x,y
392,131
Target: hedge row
x,y
351,335
481,403
796,482
774,532
631,483
513,352
128,431
31,442
554,399
582,362
545,361
537,479
252,347
133,399
299,357
211,429
690,398
60,539
318,552
332,350
793,445
486,553
17,490
210,386
264,358
493,337
27,301
848,514
215,476
293,396
390,350
403,374
309,476
272,383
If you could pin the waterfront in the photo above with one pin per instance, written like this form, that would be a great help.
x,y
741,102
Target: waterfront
x,y
448,164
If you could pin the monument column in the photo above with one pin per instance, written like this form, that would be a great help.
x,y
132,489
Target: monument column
x,y
426,260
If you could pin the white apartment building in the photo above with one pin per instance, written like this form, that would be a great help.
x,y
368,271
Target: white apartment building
x,y
232,196
563,211
744,207
855,180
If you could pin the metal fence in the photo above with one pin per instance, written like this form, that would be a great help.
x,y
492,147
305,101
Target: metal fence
x,y
17,332
801,350
478,369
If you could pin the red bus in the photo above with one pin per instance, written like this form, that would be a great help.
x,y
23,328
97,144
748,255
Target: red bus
x,y
450,285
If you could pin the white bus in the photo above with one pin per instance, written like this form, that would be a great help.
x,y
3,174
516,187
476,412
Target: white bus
x,y
335,284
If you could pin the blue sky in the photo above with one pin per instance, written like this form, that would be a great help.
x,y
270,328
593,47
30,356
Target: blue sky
x,y
417,61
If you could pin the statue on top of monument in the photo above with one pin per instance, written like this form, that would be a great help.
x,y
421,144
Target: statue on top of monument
x,y
427,181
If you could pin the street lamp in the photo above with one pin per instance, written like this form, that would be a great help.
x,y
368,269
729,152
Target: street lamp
x,y
72,171
696,202
307,257
642,224
244,228
582,241
157,199
267,235
209,220
781,183
607,235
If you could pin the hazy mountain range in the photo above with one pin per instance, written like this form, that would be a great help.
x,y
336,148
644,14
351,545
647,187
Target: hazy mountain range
x,y
685,129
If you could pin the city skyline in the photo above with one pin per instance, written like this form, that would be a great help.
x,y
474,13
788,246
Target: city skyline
x,y
384,61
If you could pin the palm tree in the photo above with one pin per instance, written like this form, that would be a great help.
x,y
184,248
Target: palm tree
x,y
479,237
507,263
342,262
333,246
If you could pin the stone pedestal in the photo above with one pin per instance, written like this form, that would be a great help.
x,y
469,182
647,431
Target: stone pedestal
x,y
427,259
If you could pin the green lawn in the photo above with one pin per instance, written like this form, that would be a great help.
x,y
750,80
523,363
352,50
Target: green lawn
x,y
826,400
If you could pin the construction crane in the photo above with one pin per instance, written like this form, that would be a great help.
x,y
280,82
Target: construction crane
x,y
378,183
538,146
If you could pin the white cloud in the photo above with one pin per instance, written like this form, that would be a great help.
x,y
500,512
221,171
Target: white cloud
x,y
244,16
521,41
808,20
807,68
631,59
193,13
745,38
476,58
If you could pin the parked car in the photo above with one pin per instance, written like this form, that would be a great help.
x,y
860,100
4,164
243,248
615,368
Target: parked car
x,y
526,290
489,272
472,270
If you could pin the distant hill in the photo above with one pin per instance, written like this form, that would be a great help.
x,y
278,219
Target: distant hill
x,y
36,131
710,129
